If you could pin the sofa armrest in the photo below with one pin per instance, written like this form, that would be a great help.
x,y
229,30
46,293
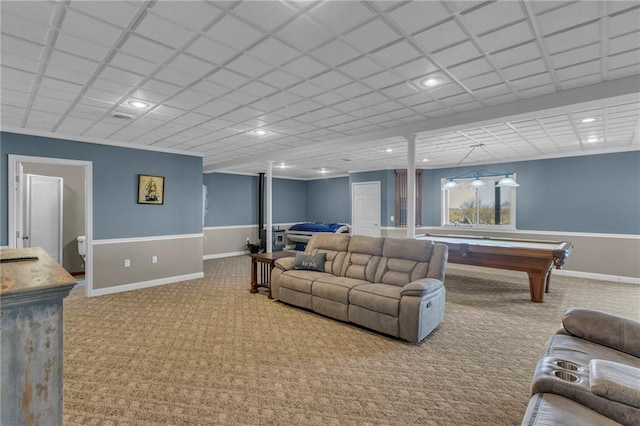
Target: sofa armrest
x,y
622,334
284,263
421,287
615,381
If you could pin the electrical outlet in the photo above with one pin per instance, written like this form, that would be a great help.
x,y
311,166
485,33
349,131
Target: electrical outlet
x,y
393,218
154,259
127,263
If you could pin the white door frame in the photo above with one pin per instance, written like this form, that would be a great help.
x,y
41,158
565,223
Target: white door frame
x,y
353,218
14,207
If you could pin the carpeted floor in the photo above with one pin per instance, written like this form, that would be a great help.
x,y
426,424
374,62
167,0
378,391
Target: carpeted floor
x,y
207,352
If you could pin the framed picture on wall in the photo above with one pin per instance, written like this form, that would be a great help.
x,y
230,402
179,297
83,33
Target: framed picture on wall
x,y
150,189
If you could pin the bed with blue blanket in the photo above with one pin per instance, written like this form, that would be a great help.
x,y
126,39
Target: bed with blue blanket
x,y
301,233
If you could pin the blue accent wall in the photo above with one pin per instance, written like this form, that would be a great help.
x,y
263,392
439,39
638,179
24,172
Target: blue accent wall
x,y
116,213
591,193
328,200
231,199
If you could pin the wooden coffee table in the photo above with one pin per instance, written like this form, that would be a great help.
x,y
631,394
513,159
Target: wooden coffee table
x,y
267,261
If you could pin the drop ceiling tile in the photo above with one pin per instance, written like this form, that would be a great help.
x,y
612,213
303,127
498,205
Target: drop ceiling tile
x,y
225,77
273,52
194,16
567,16
517,55
624,59
161,87
346,106
72,62
361,67
279,78
283,99
72,126
189,65
216,107
532,81
399,90
501,39
417,15
46,104
624,43
186,100
371,99
121,77
306,89
122,15
127,62
335,52
328,98
354,89
418,68
492,15
21,48
576,56
371,36
211,51
623,72
163,31
304,34
40,13
484,80
580,70
383,79
81,47
267,15
624,22
235,33
137,46
441,36
341,16
470,69
330,80
529,68
102,95
20,63
492,91
304,67
457,54
571,39
396,54
258,89
23,29
90,28
248,66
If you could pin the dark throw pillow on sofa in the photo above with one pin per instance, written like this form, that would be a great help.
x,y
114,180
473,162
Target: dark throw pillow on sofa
x,y
310,262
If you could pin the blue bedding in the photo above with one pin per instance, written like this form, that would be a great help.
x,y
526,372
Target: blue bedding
x,y
316,227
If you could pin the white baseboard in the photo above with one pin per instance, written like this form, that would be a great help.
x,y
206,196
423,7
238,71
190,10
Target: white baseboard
x,y
593,276
145,284
221,255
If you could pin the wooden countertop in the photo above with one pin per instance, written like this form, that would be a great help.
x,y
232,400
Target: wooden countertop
x,y
31,275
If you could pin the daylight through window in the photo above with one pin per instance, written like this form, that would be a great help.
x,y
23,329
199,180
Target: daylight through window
x,y
488,205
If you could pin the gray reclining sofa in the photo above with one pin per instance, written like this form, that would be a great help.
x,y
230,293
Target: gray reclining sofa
x,y
391,285
589,373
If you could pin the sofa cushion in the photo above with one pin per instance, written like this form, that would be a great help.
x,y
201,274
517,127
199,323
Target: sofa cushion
x,y
407,248
335,288
548,409
377,297
334,245
615,381
300,280
400,271
310,261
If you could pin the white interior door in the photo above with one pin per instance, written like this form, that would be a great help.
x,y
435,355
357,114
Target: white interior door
x,y
43,214
365,208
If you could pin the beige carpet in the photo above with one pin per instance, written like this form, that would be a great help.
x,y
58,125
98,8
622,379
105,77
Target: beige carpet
x,y
208,352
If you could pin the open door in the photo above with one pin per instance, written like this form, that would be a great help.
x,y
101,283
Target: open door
x,y
43,212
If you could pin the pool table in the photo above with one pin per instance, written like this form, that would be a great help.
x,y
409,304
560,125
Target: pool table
x,y
536,258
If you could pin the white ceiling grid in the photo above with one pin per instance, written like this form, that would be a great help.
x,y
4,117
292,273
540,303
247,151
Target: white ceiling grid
x,y
331,80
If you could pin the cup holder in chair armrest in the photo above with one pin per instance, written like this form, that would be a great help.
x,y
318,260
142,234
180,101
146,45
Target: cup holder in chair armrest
x,y
567,376
615,381
421,287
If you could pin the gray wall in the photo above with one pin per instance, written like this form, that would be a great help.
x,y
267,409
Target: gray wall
x,y
115,172
574,194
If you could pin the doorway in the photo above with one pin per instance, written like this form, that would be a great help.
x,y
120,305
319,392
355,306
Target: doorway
x,y
19,166
43,211
365,208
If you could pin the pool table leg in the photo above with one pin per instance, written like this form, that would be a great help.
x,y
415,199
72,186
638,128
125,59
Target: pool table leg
x,y
537,284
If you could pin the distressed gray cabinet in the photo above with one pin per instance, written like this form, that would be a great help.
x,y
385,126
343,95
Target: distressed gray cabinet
x,y
32,289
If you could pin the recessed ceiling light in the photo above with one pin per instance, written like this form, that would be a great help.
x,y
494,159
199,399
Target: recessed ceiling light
x,y
323,170
282,166
389,150
592,139
431,81
261,132
139,104
588,120
425,160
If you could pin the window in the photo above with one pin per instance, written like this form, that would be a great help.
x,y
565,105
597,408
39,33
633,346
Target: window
x,y
401,198
488,205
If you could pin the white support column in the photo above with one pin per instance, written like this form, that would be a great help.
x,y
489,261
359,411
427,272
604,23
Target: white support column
x,y
269,224
411,185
